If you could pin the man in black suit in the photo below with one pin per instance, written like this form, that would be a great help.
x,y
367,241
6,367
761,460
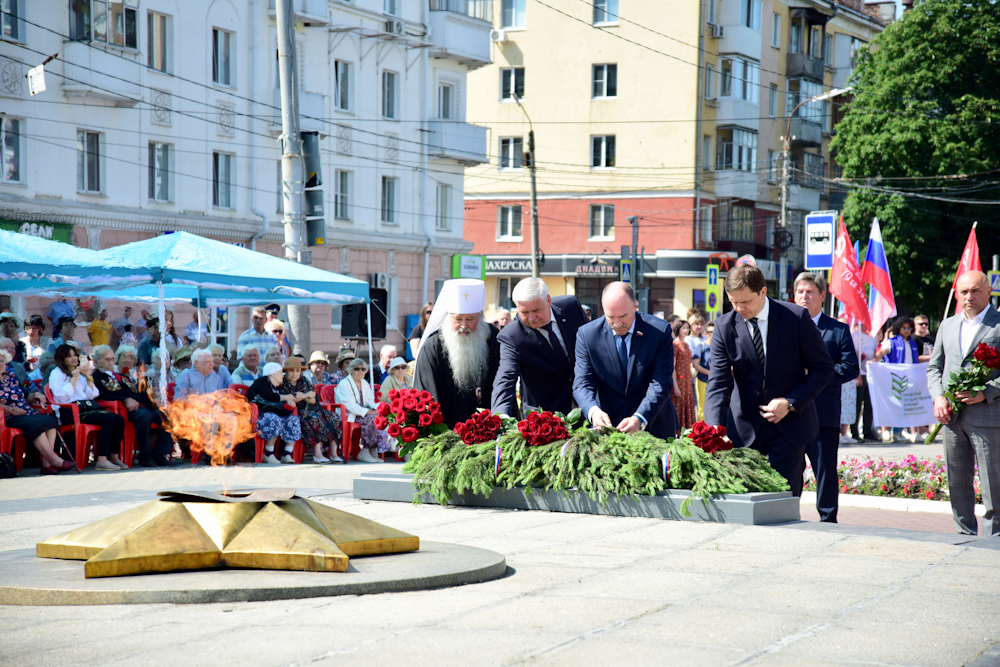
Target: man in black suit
x,y
625,366
810,293
776,358
539,347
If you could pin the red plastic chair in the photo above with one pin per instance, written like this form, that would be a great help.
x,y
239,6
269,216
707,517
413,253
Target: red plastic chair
x,y
128,442
350,442
12,441
84,435
171,386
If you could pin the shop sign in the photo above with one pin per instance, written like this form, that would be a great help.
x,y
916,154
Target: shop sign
x,y
596,270
469,266
508,265
43,230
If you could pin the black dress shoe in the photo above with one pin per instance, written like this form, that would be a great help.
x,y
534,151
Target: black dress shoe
x,y
161,462
147,462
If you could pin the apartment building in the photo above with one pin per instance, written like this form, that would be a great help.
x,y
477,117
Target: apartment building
x,y
163,115
672,116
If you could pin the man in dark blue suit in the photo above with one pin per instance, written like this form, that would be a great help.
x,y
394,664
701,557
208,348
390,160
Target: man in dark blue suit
x,y
539,347
625,366
776,358
810,293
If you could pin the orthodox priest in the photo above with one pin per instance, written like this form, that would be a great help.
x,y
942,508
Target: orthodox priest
x,y
459,352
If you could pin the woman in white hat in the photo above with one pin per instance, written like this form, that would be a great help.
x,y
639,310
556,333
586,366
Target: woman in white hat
x,y
275,419
317,374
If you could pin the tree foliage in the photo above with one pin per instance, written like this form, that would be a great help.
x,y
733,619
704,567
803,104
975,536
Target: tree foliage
x,y
926,106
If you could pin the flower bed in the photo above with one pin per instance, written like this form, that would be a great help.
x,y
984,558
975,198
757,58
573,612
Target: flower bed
x,y
906,478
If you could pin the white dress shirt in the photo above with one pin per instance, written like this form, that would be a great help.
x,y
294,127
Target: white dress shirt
x,y
762,323
968,329
65,391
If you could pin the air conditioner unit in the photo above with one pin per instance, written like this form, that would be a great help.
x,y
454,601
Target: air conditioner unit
x,y
498,35
379,281
717,31
394,27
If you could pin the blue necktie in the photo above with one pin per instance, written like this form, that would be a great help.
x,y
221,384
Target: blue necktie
x,y
622,353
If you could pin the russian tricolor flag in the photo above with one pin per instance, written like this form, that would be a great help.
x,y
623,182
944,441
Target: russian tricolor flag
x,y
882,305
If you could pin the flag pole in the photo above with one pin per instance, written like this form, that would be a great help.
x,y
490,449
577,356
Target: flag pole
x,y
951,293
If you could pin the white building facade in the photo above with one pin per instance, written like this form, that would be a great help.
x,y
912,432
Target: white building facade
x,y
163,115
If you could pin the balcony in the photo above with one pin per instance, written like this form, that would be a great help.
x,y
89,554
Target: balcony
x,y
806,133
463,142
307,12
312,111
804,65
108,74
734,111
735,184
741,40
460,30
802,197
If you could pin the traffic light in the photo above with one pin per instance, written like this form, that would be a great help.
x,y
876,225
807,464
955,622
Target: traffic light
x,y
315,221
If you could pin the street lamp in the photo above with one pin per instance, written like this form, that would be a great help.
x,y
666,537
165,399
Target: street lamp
x,y
534,192
785,176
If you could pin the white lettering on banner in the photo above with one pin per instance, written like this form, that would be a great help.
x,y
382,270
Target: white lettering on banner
x,y
899,395
33,229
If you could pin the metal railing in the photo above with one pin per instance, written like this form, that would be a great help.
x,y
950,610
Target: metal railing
x,y
477,9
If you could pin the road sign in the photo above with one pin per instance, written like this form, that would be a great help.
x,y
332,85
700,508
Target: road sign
x,y
820,239
713,289
994,283
626,271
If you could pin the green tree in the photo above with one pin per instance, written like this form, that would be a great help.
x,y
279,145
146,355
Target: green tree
x,y
925,107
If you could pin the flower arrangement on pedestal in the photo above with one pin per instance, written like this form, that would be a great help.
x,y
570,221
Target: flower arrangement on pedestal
x,y
409,415
481,427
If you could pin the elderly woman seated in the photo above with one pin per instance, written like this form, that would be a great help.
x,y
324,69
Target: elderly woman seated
x,y
317,373
10,347
113,386
344,360
37,428
218,355
126,360
396,379
319,427
357,397
200,379
277,327
249,368
182,361
274,413
72,382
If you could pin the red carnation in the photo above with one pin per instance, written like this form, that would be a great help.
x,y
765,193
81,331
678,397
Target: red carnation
x,y
393,430
437,417
434,406
987,355
381,423
426,396
409,403
393,394
400,417
410,433
469,439
460,428
396,406
425,420
383,409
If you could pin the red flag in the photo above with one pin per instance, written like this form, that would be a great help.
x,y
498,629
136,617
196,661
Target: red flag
x,y
969,262
845,279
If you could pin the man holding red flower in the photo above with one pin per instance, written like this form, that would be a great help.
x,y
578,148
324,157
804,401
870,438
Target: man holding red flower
x,y
973,432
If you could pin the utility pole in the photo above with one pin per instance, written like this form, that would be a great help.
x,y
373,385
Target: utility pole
x,y
535,268
634,220
292,165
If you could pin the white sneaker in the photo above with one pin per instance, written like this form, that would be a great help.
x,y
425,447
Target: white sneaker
x,y
887,436
320,459
287,458
847,440
910,435
270,459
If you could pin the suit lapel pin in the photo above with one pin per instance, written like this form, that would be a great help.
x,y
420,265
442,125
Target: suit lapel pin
x,y
638,333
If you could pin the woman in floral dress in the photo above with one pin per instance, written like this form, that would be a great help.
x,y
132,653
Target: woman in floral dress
x,y
319,427
683,388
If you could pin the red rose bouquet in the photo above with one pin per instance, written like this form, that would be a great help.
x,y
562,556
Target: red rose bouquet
x,y
972,378
541,428
481,427
409,415
709,438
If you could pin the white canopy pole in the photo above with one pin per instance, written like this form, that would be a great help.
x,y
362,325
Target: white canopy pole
x,y
198,306
162,313
371,366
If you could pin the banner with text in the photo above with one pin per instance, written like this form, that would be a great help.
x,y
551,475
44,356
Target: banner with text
x,y
899,395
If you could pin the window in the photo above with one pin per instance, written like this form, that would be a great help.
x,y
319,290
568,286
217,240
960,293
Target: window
x,y
222,180
735,222
509,223
750,14
736,149
12,154
605,81
816,41
156,36
10,22
828,50
776,30
159,171
342,88
814,170
795,37
389,94
390,7
602,222
602,151
446,101
221,63
109,21
605,11
772,166
706,224
511,152
511,83
856,46
442,217
713,11
800,89
706,152
512,14
772,101
88,161
709,82
389,186
741,78
341,195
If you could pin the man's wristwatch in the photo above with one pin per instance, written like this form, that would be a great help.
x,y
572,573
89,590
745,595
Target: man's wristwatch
x,y
791,408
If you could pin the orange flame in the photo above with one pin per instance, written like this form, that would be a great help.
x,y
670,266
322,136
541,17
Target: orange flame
x,y
141,379
214,423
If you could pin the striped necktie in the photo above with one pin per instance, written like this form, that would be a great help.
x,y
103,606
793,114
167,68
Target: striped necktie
x,y
758,341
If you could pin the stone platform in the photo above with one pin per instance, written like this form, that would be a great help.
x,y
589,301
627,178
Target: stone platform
x,y
28,580
744,508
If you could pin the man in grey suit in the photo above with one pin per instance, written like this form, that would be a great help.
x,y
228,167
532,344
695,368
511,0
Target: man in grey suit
x,y
974,432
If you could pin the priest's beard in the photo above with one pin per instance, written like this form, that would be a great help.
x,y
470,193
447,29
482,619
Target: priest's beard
x,y
467,354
